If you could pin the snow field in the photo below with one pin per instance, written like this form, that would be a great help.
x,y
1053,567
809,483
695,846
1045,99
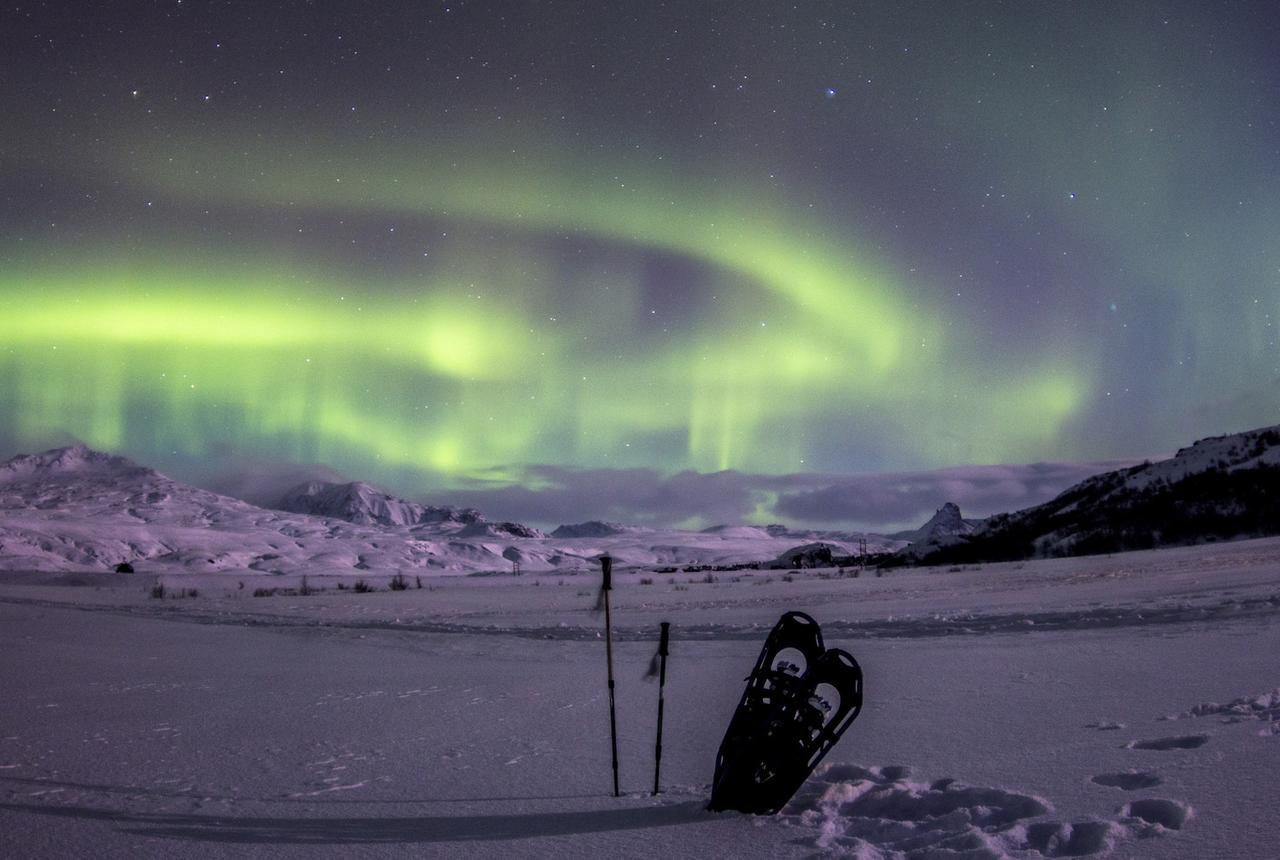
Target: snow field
x,y
469,718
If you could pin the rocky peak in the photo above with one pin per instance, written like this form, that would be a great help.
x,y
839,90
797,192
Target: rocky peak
x,y
72,459
946,523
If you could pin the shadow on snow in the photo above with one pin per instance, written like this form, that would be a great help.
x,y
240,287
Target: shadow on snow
x,y
331,831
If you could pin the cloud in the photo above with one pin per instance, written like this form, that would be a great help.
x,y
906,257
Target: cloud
x,y
907,498
549,495
262,482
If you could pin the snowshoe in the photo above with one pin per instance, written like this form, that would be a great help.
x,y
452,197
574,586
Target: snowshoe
x,y
799,700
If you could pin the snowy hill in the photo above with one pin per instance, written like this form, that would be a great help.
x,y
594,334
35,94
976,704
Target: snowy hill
x,y
1220,488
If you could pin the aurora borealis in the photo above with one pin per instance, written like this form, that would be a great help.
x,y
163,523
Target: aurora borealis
x,y
569,260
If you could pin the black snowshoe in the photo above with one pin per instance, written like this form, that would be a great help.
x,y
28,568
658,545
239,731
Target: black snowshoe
x,y
787,719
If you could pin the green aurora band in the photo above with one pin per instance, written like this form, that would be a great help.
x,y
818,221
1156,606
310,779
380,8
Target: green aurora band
x,y
201,350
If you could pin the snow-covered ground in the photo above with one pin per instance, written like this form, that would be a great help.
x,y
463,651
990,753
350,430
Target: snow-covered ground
x,y
1121,706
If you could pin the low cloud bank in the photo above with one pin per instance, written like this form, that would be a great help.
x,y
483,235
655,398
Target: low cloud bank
x,y
910,497
550,495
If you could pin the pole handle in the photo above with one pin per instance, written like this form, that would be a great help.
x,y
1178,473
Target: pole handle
x,y
606,568
664,638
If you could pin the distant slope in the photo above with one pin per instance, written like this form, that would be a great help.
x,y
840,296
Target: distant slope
x,y
358,502
730,532
594,529
1220,488
361,503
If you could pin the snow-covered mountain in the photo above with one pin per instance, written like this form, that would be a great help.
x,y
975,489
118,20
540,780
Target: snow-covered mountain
x,y
595,529
818,554
1219,488
876,542
61,462
727,531
483,528
76,509
358,502
94,484
945,525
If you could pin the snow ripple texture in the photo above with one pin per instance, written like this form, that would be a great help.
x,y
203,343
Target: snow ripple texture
x,y
881,813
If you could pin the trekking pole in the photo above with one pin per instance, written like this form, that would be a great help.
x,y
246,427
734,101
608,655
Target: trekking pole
x,y
662,681
606,568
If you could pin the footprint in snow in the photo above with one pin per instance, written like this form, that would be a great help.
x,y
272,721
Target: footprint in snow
x,y
883,812
1261,706
1180,742
1155,814
1129,781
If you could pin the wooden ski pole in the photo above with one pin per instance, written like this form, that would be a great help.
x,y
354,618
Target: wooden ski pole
x,y
606,568
662,682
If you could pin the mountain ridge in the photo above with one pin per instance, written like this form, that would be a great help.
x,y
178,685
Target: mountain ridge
x,y
362,503
77,509
1218,488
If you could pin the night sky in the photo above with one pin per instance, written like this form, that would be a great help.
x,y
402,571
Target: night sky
x,y
670,263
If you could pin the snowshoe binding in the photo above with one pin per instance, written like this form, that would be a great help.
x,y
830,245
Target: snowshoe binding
x,y
799,700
